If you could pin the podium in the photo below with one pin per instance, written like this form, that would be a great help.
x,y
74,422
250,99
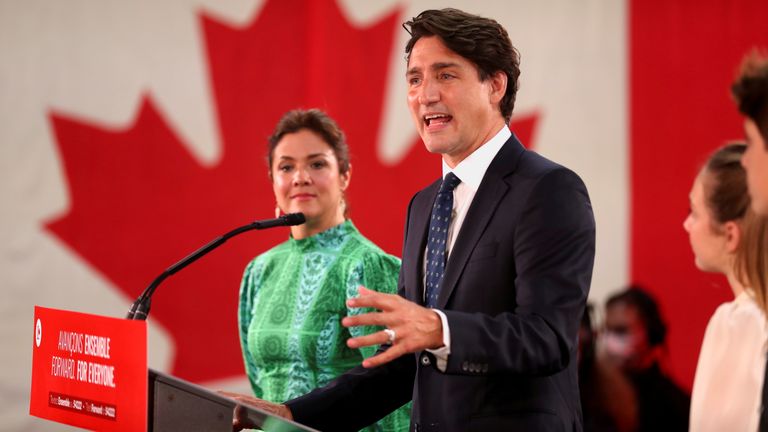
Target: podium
x,y
175,404
91,372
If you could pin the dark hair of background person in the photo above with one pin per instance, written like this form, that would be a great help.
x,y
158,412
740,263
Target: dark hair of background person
x,y
608,400
482,41
587,349
751,90
316,121
648,310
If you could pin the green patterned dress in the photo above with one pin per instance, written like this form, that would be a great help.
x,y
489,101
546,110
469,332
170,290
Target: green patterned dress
x,y
292,300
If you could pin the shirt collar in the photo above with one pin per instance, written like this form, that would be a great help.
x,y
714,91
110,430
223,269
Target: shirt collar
x,y
472,169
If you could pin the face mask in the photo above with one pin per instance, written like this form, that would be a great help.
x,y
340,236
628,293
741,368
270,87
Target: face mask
x,y
616,345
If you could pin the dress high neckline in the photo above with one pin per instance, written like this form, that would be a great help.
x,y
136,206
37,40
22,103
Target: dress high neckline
x,y
331,237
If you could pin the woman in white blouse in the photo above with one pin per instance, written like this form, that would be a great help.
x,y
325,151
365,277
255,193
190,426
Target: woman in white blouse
x,y
726,237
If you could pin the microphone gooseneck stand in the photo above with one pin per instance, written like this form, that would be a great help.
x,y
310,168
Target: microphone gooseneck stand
x,y
140,308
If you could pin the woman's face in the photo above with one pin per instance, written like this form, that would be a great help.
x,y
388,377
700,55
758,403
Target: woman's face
x,y
306,179
708,240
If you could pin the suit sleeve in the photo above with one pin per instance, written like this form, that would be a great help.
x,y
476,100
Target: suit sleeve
x,y
552,256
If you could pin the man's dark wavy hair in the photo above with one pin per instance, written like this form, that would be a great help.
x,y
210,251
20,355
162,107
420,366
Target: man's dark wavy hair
x,y
751,90
482,41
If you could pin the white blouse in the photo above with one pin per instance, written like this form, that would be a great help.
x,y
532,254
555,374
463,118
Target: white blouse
x,y
728,385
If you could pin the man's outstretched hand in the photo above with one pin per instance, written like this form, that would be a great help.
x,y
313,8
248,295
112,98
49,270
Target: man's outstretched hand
x,y
416,328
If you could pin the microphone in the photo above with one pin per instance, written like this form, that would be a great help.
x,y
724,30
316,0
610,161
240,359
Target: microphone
x,y
140,308
289,219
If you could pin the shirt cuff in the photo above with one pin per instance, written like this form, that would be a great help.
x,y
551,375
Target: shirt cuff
x,y
441,354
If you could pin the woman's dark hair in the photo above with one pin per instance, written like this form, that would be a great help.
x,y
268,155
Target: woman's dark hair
x,y
482,41
751,90
637,297
725,184
318,122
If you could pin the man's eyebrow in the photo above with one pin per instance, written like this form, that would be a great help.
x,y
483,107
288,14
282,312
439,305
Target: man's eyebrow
x,y
443,65
412,71
435,67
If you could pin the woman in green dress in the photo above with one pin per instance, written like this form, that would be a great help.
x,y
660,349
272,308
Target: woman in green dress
x,y
293,297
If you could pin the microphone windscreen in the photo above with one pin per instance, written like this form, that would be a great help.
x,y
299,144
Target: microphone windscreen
x,y
294,219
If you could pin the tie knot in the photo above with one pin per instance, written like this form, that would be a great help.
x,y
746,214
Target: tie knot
x,y
449,183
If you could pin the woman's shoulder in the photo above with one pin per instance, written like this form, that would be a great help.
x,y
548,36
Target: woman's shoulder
x,y
275,253
363,249
741,314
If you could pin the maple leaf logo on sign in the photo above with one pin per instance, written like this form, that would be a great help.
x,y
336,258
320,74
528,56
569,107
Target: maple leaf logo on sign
x,y
140,201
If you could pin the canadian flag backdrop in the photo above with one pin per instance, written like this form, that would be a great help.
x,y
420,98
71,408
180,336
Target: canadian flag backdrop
x,y
133,132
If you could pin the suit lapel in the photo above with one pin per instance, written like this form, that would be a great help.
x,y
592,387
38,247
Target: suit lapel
x,y
490,193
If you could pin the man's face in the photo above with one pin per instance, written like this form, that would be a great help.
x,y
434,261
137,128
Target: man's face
x,y
454,112
755,162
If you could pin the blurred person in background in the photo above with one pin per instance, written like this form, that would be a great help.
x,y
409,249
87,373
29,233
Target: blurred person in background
x,y
633,340
727,238
608,401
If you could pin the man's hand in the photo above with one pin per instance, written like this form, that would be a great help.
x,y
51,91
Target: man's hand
x,y
240,420
416,328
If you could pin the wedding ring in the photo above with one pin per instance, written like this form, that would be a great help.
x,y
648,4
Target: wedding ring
x,y
391,335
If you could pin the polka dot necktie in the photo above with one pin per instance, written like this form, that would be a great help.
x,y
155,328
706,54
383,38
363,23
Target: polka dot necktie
x,y
438,237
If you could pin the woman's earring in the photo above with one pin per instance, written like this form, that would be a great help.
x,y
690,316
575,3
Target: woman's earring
x,y
343,205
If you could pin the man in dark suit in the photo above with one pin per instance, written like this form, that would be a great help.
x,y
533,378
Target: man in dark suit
x,y
497,261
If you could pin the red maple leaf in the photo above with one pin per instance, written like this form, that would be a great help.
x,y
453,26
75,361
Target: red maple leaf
x,y
139,201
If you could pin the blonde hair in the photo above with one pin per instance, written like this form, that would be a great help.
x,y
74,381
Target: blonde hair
x,y
751,263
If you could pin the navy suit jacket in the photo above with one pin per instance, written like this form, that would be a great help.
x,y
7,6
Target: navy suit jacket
x,y
514,290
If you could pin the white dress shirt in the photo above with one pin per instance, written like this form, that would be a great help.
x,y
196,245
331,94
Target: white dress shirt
x,y
729,377
471,172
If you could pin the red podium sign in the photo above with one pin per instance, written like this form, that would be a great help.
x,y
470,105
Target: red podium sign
x,y
89,371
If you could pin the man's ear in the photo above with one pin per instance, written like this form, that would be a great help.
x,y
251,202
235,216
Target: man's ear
x,y
498,86
732,236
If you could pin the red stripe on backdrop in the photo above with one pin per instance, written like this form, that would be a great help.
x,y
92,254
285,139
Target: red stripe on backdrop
x,y
684,55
